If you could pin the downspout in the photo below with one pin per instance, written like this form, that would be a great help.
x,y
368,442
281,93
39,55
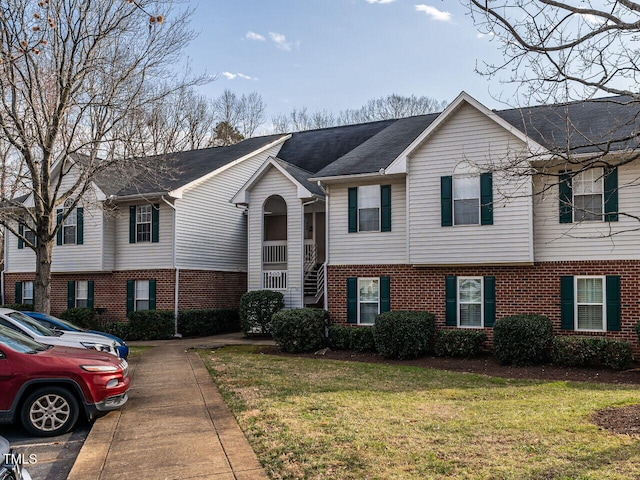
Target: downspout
x,y
176,288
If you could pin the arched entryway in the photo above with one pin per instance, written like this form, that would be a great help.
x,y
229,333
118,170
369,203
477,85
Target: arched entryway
x,y
274,243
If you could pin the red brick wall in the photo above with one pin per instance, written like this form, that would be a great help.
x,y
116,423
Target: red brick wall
x,y
519,289
197,289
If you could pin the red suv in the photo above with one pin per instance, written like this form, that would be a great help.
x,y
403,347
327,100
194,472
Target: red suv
x,y
47,388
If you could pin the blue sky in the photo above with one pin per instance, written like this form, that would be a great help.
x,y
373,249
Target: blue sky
x,y
338,54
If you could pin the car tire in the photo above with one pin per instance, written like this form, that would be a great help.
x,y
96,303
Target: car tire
x,y
49,411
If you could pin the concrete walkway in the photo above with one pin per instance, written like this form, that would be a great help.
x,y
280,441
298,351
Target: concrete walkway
x,y
174,426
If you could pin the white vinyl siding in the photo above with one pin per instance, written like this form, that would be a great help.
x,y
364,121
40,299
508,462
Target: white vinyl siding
x,y
145,255
593,240
367,248
467,135
273,182
212,232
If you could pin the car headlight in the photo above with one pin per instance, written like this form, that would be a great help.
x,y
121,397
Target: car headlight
x,y
99,368
101,347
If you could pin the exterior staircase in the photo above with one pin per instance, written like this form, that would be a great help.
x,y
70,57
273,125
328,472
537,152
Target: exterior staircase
x,y
313,276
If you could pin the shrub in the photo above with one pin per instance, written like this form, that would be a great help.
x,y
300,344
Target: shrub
x,y
151,325
404,334
257,308
27,307
459,343
204,322
581,351
82,317
119,329
357,339
299,329
638,330
522,340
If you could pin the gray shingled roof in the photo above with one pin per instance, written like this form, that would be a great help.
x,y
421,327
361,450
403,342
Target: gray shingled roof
x,y
301,176
183,168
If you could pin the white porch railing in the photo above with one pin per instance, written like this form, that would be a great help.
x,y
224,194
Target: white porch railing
x,y
274,251
310,255
274,279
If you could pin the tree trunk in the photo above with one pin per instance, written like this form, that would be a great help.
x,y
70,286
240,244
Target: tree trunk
x,y
42,283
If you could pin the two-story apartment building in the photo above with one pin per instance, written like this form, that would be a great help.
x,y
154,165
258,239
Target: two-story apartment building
x,y
471,214
173,242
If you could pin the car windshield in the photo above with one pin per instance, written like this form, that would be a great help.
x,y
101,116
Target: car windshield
x,y
31,324
66,323
19,342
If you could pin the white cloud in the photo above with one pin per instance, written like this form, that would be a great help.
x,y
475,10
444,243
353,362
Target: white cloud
x,y
280,41
233,76
380,1
592,19
482,35
255,36
434,13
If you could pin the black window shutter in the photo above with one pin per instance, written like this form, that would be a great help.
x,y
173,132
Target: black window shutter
x,y
385,294
18,292
131,285
385,208
21,232
566,303
611,194
352,300
613,303
152,294
80,226
90,294
59,224
451,296
489,301
486,199
132,224
446,201
155,223
71,294
353,209
565,197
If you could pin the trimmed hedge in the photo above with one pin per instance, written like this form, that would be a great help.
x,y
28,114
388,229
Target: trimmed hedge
x,y
358,339
299,329
151,325
205,322
119,329
522,340
82,317
27,307
583,351
459,343
404,334
638,330
257,308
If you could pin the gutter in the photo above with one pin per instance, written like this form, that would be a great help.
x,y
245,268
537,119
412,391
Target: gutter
x,y
176,288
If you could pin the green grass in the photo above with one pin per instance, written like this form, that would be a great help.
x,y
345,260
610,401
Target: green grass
x,y
320,419
136,351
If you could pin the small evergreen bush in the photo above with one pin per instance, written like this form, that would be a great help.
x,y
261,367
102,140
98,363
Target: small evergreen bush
x,y
151,325
26,307
582,351
300,329
638,330
459,343
522,340
205,322
256,309
404,334
82,317
119,329
357,339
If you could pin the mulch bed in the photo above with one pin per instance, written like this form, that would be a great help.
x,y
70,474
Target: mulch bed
x,y
622,420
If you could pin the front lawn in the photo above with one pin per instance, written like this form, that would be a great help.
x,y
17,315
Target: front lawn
x,y
319,419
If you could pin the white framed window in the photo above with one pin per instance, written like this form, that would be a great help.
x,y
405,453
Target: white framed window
x,y
466,199
588,195
368,300
70,224
82,294
143,223
590,303
470,302
141,299
27,293
369,208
